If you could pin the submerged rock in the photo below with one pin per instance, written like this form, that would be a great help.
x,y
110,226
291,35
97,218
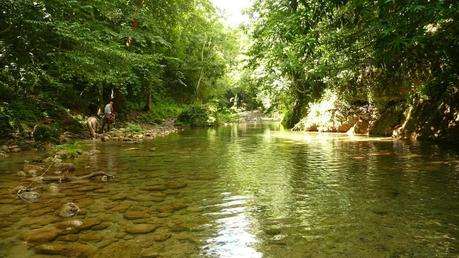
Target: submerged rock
x,y
140,228
53,188
68,210
176,185
89,223
69,224
150,253
69,167
36,168
132,215
41,235
29,196
153,188
161,235
66,249
69,238
91,236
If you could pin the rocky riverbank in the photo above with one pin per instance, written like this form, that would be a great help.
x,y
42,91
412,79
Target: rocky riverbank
x,y
125,133
432,119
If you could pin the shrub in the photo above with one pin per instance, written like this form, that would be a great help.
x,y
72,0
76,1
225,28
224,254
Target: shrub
x,y
45,133
194,116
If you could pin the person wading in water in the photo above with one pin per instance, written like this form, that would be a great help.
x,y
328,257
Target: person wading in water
x,y
109,116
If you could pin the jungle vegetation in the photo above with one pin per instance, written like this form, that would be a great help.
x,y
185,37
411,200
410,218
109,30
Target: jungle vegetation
x,y
171,58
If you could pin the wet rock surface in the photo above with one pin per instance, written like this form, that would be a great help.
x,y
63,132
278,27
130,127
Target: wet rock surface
x,y
67,249
41,235
140,228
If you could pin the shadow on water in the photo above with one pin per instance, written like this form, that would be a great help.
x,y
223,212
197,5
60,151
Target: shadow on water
x,y
253,190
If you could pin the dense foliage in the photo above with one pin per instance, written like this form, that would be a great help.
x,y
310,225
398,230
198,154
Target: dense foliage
x,y
137,50
378,52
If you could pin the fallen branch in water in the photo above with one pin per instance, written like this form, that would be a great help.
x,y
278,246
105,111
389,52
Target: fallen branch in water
x,y
67,178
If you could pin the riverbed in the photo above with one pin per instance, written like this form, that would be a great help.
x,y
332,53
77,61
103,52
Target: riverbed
x,y
248,190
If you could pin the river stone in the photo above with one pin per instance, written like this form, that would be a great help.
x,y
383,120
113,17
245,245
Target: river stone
x,y
176,185
32,172
69,238
68,210
21,173
126,248
94,152
102,190
90,188
146,198
63,154
101,226
53,188
150,253
186,236
154,188
41,235
122,207
37,168
29,196
91,237
140,228
89,223
65,166
66,249
69,224
161,235
42,211
164,215
131,215
172,207
118,197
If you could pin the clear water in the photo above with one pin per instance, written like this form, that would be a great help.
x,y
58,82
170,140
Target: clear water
x,y
250,191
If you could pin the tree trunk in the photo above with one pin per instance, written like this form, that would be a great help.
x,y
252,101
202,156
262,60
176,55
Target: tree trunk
x,y
201,74
148,100
101,95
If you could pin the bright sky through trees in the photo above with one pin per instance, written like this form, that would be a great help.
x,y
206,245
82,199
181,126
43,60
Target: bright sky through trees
x,y
232,10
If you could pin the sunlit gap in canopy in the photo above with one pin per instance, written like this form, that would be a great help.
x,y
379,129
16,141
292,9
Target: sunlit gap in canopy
x,y
233,11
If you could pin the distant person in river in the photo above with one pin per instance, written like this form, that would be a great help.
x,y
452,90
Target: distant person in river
x,y
93,121
109,116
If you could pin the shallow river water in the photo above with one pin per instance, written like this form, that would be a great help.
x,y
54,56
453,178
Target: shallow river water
x,y
245,191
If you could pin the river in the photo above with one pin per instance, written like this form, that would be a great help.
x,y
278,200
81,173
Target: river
x,y
252,190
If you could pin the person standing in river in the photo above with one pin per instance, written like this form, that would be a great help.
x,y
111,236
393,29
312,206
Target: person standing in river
x,y
109,116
